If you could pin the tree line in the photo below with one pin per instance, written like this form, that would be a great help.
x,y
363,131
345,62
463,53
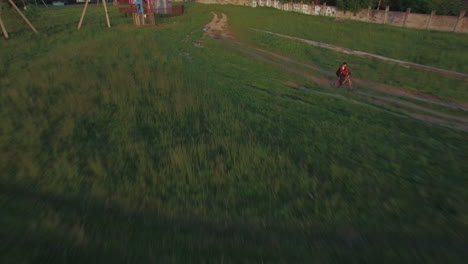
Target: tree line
x,y
443,7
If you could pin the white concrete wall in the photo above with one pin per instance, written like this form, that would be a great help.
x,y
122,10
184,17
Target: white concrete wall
x,y
420,21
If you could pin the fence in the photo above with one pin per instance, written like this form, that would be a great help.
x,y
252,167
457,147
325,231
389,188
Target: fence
x,y
410,20
402,19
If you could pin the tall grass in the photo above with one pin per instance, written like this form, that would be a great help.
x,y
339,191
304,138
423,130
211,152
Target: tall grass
x,y
133,145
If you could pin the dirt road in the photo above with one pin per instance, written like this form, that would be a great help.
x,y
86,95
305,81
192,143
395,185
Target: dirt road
x,y
416,105
218,27
457,75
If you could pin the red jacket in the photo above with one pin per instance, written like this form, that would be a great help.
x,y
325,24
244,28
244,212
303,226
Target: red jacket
x,y
344,70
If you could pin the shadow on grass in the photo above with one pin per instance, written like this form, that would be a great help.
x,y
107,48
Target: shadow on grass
x,y
38,227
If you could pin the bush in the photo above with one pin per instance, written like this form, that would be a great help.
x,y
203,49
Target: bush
x,y
353,5
448,7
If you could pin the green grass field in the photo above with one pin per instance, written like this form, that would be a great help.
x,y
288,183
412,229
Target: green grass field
x,y
131,145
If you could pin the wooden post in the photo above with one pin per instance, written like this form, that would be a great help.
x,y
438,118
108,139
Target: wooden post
x,y
150,15
83,14
24,5
460,20
44,4
148,8
430,19
387,8
22,16
5,33
368,13
107,14
408,12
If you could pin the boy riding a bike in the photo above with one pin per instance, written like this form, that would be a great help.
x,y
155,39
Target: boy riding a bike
x,y
344,75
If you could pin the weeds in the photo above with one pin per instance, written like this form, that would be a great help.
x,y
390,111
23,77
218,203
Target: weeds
x,y
116,147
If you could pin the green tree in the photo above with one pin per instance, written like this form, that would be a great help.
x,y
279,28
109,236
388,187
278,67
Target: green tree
x,y
417,6
443,7
353,5
448,7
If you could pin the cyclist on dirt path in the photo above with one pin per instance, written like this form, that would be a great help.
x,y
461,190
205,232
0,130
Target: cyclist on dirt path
x,y
343,73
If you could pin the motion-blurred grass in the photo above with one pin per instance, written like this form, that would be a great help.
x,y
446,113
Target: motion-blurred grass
x,y
133,145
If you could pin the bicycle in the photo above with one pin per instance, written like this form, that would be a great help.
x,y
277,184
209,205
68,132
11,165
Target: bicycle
x,y
345,81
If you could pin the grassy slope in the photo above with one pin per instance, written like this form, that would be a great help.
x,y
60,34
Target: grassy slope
x,y
131,145
439,49
444,50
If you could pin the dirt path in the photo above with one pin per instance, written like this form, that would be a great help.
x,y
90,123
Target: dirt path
x,y
388,102
218,27
380,87
457,75
382,96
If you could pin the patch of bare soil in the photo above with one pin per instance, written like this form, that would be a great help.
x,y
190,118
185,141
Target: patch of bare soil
x,y
218,27
382,96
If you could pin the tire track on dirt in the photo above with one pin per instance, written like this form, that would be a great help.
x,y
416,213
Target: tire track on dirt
x,y
457,75
218,29
414,106
374,104
384,88
379,102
